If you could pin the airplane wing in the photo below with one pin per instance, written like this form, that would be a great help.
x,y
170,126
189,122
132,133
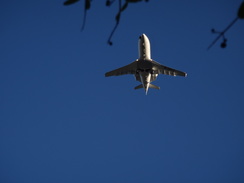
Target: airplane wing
x,y
128,69
161,69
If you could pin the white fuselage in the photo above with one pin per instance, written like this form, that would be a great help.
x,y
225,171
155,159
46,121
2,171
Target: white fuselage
x,y
145,71
144,48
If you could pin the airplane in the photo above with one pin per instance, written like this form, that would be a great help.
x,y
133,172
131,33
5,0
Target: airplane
x,y
144,68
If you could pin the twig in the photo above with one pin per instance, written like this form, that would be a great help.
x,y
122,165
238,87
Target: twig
x,y
221,34
116,25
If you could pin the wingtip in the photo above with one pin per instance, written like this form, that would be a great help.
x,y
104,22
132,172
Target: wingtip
x,y
106,74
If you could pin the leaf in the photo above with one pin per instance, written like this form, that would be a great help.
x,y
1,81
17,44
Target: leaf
x,y
87,4
69,2
240,13
133,1
109,3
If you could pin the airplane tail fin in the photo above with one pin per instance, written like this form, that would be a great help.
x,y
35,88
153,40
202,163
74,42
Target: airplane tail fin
x,y
150,86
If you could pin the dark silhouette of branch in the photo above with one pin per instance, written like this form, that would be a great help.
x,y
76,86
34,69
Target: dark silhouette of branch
x,y
117,18
221,34
87,7
240,15
108,3
69,2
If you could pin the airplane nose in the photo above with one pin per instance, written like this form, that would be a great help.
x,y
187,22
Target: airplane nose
x,y
142,36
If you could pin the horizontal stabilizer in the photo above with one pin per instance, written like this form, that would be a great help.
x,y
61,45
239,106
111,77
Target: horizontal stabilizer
x,y
138,87
150,86
154,86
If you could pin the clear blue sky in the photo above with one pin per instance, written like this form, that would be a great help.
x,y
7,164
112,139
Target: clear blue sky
x,y
62,121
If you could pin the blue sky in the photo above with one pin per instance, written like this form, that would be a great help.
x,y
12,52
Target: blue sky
x,y
62,121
